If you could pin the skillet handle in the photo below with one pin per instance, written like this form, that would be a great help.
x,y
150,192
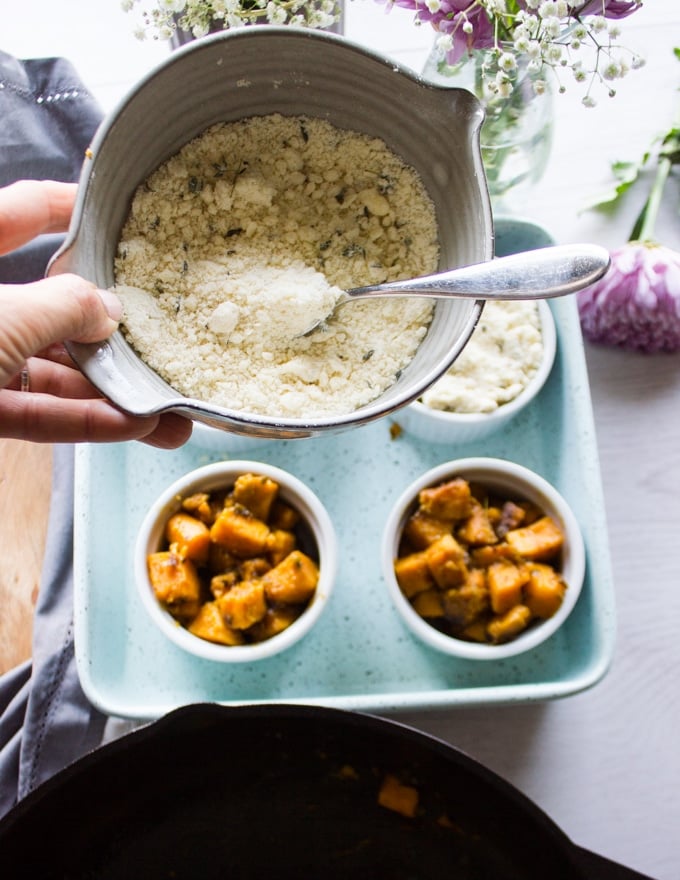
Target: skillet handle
x,y
597,867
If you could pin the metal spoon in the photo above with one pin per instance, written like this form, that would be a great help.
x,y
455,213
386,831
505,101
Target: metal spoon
x,y
537,274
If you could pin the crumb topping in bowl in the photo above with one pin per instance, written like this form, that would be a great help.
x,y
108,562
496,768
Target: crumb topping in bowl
x,y
219,237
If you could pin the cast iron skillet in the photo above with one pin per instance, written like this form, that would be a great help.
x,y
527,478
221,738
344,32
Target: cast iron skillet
x,y
286,792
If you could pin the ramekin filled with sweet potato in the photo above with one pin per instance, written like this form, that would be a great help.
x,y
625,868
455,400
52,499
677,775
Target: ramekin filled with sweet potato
x,y
236,560
483,558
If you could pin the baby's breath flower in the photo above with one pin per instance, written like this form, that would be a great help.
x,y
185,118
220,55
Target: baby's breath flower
x,y
507,62
171,6
443,43
276,14
534,50
542,35
612,70
161,18
539,35
504,89
579,73
553,26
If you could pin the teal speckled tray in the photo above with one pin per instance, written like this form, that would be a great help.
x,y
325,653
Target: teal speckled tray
x,y
360,656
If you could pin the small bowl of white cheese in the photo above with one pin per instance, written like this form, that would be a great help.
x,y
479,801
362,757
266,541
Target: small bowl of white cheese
x,y
502,369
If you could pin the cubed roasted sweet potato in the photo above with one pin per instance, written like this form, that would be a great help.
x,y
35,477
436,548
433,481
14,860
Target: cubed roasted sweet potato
x,y
544,591
505,581
241,533
188,536
275,621
446,560
217,550
476,631
293,581
450,500
511,517
220,583
220,559
494,570
483,557
257,493
421,530
541,540
413,573
175,583
250,569
463,605
429,603
201,506
209,624
243,605
507,626
477,528
395,795
283,516
279,543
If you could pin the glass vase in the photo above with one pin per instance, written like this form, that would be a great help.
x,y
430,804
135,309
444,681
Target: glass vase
x,y
516,136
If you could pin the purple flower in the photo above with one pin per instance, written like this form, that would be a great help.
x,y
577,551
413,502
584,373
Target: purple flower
x,y
637,303
608,8
450,18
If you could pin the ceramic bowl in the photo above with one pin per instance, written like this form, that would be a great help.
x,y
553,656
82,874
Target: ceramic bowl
x,y
512,481
441,426
260,70
319,542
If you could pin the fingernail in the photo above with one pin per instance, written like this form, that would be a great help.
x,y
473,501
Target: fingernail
x,y
113,306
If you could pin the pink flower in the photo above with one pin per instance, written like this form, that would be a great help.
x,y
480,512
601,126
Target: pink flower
x,y
608,8
637,303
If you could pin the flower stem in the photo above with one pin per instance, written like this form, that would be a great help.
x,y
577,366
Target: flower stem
x,y
644,227
668,156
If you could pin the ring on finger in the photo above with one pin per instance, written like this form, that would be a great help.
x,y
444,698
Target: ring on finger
x,y
25,378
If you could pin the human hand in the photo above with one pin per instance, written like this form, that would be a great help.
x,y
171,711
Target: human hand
x,y
35,318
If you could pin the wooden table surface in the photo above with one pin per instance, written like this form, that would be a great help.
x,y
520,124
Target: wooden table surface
x,y
604,764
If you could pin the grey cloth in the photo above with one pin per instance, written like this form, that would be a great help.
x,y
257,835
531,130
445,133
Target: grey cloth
x,y
47,722
47,119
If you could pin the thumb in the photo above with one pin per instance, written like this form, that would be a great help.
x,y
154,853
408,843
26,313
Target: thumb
x,y
62,308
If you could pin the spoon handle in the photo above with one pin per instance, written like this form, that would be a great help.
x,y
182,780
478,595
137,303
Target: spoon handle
x,y
538,274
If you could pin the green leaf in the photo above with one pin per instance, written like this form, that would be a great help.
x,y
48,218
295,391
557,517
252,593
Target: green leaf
x,y
670,146
626,173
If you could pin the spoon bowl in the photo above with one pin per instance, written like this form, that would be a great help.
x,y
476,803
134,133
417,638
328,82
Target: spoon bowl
x,y
537,274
